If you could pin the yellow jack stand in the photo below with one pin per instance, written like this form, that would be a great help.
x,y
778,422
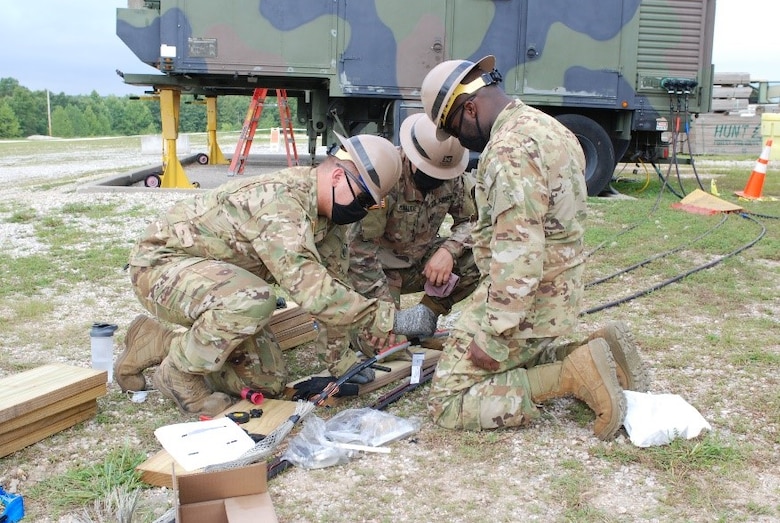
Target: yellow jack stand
x,y
215,153
173,175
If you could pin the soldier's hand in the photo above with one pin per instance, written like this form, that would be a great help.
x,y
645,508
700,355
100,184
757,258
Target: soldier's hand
x,y
480,358
439,267
378,344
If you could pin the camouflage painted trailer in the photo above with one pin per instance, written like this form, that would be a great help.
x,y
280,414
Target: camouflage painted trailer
x,y
617,72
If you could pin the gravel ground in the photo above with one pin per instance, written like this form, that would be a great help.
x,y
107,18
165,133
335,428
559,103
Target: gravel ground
x,y
555,470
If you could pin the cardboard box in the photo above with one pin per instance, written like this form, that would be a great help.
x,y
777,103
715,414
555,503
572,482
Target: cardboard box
x,y
227,496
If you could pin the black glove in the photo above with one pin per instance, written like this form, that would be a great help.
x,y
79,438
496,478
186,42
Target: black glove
x,y
313,386
417,321
366,375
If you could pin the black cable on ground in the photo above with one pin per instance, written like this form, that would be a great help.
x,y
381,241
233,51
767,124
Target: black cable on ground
x,y
681,275
768,216
665,182
658,255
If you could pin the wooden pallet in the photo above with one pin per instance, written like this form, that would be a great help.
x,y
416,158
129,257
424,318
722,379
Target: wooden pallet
x,y
43,401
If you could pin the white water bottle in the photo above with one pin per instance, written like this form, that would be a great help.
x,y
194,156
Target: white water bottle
x,y
102,340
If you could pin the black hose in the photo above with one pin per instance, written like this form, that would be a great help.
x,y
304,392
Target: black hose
x,y
681,275
658,255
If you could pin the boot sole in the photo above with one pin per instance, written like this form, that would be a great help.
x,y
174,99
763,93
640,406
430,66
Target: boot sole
x,y
627,357
605,364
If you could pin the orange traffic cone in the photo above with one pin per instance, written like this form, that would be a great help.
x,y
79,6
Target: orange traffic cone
x,y
755,183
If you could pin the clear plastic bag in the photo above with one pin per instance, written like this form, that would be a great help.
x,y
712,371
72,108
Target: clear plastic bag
x,y
317,445
369,426
310,450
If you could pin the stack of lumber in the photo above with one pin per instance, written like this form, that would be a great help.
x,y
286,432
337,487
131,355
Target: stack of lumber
x,y
292,326
730,128
730,92
40,402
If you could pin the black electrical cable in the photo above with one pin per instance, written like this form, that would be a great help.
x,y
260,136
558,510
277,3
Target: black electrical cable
x,y
665,181
681,275
658,255
768,216
686,93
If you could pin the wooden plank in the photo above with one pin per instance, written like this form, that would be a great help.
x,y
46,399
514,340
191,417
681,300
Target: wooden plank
x,y
290,322
292,309
723,91
729,104
69,418
296,336
292,326
35,426
157,469
48,411
42,386
731,78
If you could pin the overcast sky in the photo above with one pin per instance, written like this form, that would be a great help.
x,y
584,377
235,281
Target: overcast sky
x,y
72,47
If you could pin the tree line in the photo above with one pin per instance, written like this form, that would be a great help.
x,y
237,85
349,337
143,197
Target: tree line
x,y
26,113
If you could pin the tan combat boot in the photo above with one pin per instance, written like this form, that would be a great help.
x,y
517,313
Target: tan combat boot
x,y
189,391
588,374
146,344
630,370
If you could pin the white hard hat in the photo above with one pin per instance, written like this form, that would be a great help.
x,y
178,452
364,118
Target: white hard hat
x,y
443,160
438,90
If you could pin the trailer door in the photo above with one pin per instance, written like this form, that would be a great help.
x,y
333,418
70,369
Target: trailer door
x,y
572,51
390,45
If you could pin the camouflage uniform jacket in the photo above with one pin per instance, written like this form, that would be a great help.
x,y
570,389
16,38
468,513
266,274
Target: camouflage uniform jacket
x,y
528,240
402,232
269,225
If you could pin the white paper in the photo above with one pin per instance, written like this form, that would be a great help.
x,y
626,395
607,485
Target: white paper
x,y
418,358
656,419
201,443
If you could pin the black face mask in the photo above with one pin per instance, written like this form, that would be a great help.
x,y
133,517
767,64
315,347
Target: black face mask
x,y
345,214
475,142
424,182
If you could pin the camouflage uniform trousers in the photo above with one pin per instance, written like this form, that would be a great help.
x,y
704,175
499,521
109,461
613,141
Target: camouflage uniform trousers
x,y
224,308
410,280
466,397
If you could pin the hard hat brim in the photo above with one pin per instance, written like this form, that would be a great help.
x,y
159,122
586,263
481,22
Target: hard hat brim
x,y
425,165
356,159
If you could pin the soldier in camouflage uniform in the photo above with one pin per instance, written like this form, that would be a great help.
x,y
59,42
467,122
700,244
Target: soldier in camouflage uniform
x,y
528,244
209,263
397,248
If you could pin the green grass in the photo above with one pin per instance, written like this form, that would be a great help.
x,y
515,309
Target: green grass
x,y
82,485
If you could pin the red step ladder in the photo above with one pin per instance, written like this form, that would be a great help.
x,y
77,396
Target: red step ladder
x,y
288,134
238,161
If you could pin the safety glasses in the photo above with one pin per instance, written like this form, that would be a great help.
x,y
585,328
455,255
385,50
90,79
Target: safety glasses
x,y
364,197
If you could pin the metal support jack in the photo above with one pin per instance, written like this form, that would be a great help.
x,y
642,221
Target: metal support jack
x,y
173,172
215,153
